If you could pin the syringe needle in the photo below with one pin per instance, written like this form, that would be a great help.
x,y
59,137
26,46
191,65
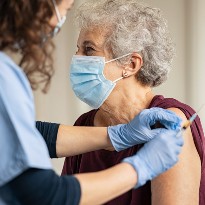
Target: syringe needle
x,y
189,121
197,112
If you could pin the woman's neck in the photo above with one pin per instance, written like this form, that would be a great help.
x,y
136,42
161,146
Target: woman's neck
x,y
122,106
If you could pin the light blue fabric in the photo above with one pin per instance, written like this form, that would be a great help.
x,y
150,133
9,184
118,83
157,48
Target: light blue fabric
x,y
21,145
88,81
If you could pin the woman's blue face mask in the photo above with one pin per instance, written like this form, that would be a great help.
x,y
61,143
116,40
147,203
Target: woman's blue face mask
x,y
88,81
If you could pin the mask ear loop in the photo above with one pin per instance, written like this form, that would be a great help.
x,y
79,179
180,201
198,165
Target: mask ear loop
x,y
117,79
125,75
61,20
115,60
118,58
56,10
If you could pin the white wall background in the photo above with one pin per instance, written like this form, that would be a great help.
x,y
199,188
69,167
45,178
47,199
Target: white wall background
x,y
186,82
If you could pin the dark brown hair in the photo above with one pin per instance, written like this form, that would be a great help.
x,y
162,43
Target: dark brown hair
x,y
23,23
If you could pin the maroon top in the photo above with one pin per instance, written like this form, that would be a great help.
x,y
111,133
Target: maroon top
x,y
99,160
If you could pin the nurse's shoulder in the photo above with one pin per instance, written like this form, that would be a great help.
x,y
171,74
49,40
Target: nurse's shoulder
x,y
12,77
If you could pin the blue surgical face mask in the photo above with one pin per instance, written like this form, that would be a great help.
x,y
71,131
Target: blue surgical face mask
x,y
88,81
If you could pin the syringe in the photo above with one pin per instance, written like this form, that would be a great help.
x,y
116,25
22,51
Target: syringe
x,y
189,121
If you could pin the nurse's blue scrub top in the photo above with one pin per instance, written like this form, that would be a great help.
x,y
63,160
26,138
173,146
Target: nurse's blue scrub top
x,y
21,145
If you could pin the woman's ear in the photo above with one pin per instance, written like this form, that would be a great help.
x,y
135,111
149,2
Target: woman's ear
x,y
134,66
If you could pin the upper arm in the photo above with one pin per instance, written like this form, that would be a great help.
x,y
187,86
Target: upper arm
x,y
49,132
180,184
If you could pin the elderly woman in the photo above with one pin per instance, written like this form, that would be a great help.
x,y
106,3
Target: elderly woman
x,y
124,50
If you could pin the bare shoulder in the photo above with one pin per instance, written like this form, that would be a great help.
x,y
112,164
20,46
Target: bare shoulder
x,y
180,184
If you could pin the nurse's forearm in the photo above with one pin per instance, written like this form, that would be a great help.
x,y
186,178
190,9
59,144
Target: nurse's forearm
x,y
73,140
100,187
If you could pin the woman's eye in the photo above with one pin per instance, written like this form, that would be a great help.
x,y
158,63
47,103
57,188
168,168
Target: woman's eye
x,y
89,50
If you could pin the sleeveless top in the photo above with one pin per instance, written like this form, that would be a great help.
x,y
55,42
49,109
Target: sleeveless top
x,y
102,159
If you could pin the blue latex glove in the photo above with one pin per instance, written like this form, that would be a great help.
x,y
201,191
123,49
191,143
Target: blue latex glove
x,y
156,156
139,130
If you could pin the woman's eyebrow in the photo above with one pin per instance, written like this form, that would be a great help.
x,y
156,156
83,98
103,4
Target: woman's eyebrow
x,y
88,43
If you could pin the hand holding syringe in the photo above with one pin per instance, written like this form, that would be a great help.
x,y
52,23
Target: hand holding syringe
x,y
189,121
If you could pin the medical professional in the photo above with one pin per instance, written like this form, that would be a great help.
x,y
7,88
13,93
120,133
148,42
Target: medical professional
x,y
26,175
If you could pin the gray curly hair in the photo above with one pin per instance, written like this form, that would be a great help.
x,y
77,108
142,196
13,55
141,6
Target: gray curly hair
x,y
133,27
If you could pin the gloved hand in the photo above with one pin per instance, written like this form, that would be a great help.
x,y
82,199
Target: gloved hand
x,y
156,156
139,130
